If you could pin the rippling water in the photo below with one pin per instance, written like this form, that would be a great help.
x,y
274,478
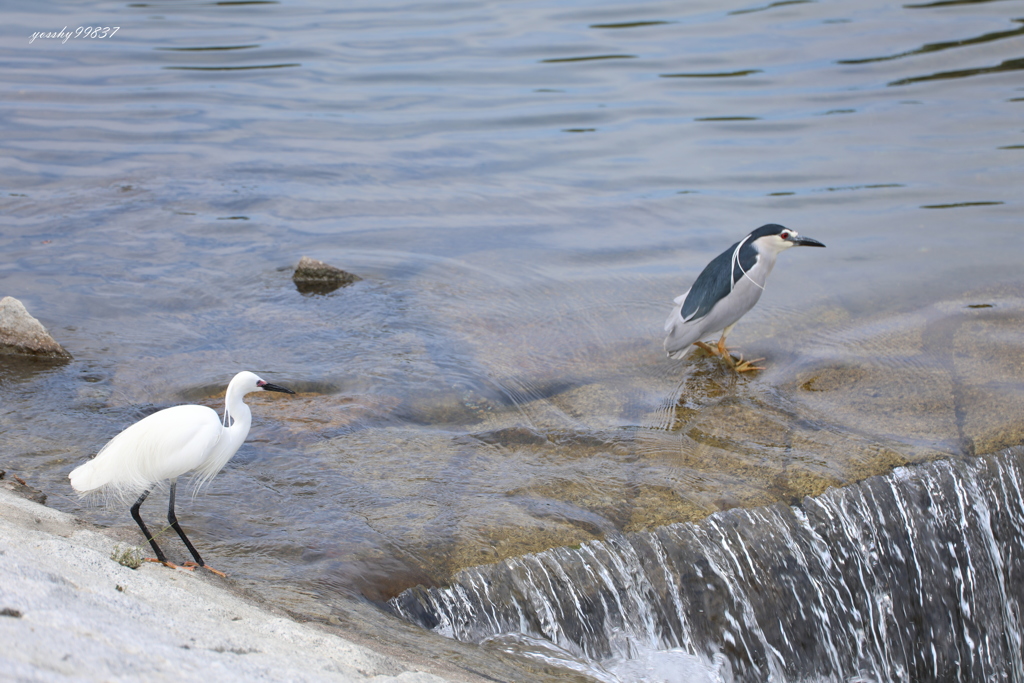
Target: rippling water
x,y
524,187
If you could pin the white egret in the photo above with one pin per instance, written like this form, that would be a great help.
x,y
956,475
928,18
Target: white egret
x,y
166,445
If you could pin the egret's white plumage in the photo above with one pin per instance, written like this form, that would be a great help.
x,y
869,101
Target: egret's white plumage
x,y
168,444
162,446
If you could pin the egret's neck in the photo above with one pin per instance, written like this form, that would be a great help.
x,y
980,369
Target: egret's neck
x,y
237,417
237,420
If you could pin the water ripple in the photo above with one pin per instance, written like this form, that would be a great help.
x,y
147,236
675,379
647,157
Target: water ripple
x,y
713,74
231,68
939,47
1008,65
631,24
590,58
773,5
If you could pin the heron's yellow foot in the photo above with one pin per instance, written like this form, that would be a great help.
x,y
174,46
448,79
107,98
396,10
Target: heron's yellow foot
x,y
707,348
739,365
746,365
720,351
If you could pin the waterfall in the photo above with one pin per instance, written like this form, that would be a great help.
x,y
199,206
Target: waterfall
x,y
916,575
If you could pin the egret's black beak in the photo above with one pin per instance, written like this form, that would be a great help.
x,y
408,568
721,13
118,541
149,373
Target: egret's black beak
x,y
800,241
274,387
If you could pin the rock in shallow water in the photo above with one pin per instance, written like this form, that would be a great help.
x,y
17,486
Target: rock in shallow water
x,y
316,277
21,334
20,487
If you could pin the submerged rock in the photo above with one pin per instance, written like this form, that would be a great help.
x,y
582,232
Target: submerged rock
x,y
22,488
21,334
316,277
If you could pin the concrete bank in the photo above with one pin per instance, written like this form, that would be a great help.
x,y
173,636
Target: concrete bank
x,y
67,611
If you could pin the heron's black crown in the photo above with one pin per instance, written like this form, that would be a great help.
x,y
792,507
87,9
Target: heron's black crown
x,y
765,230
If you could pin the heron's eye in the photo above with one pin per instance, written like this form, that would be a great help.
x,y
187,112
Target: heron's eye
x,y
784,235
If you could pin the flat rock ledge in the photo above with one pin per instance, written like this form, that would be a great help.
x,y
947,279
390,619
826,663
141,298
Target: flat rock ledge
x,y
69,612
23,335
316,277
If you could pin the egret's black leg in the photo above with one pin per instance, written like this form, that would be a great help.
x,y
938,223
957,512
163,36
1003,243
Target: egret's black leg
x,y
142,525
173,520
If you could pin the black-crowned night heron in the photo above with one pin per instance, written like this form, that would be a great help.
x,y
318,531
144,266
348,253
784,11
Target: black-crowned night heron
x,y
725,290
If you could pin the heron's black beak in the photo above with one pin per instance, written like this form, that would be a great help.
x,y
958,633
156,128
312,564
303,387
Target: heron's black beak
x,y
800,241
274,387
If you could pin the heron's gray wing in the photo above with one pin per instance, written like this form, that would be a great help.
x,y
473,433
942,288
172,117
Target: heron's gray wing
x,y
717,280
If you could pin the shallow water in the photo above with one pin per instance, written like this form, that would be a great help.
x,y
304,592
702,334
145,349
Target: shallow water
x,y
524,187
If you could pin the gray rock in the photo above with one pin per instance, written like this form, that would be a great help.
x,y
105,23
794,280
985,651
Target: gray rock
x,y
316,277
21,334
21,487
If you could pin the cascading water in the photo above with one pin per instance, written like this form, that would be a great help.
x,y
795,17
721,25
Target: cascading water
x,y
917,575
